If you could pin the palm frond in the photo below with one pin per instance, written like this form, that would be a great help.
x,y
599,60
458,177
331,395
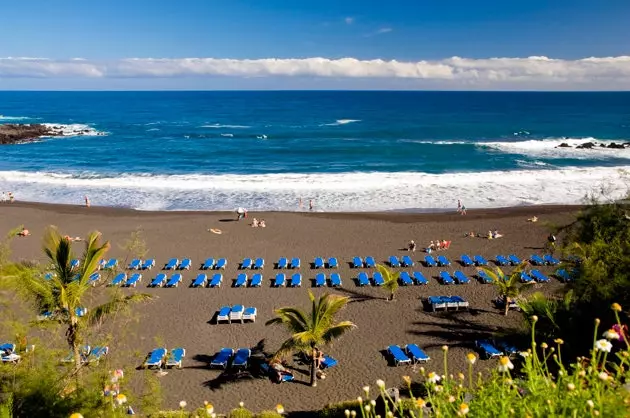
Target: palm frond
x,y
97,315
337,331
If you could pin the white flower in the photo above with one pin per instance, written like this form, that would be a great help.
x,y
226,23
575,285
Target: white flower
x,y
603,376
451,399
505,364
438,388
241,404
346,413
360,399
433,377
353,414
611,334
280,409
367,408
366,390
373,402
182,404
590,404
380,383
571,386
603,345
524,354
463,409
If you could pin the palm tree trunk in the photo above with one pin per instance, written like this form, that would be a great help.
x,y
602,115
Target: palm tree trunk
x,y
507,305
392,296
72,338
314,368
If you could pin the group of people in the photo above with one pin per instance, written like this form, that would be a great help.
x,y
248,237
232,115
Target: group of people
x,y
7,197
491,234
438,245
258,223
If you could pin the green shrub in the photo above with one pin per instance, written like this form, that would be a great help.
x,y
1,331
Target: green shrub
x,y
336,410
268,414
241,413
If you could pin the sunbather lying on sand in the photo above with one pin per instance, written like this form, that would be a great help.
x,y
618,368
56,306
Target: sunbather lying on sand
x,y
533,219
24,233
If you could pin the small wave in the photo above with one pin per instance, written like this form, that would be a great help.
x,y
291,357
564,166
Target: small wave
x,y
5,117
219,126
531,164
74,129
228,135
550,148
261,137
415,141
339,122
153,129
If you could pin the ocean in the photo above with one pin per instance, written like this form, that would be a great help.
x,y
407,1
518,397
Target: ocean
x,y
345,151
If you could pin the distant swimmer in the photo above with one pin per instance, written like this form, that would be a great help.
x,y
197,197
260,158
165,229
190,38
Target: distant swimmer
x,y
87,202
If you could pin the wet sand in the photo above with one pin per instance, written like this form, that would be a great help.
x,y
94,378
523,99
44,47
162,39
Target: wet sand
x,y
182,316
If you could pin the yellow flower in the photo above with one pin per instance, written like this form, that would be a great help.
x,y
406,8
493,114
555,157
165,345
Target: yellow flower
x,y
433,377
558,341
505,364
616,307
461,376
544,345
611,334
471,358
209,408
407,380
280,409
420,403
76,415
463,409
121,399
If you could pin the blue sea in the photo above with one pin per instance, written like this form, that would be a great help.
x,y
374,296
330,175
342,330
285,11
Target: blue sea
x,y
345,151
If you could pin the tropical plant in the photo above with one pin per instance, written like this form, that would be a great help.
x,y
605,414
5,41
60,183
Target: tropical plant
x,y
66,291
509,286
309,331
390,279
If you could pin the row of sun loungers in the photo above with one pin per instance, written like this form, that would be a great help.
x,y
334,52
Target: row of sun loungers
x,y
411,354
236,313
88,354
161,357
210,264
447,302
357,262
239,360
499,348
320,280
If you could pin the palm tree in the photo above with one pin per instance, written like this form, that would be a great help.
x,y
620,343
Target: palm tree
x,y
67,289
312,330
508,286
390,279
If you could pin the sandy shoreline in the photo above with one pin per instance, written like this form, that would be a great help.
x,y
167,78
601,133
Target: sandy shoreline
x,y
180,317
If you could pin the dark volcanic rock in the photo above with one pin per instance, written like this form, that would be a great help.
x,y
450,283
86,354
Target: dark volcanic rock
x,y
615,146
586,145
564,145
18,133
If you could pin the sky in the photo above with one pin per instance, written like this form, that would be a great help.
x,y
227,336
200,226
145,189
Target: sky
x,y
325,44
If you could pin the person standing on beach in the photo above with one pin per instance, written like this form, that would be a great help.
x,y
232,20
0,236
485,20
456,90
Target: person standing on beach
x,y
241,213
300,204
11,198
87,202
310,205
463,211
459,205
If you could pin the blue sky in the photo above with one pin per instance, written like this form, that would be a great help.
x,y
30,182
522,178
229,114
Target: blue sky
x,y
403,30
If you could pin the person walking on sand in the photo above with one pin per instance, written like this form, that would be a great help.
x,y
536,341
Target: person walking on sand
x,y
459,206
241,213
310,204
11,197
87,202
463,211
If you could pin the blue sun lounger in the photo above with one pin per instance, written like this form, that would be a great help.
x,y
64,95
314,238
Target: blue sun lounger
x,y
539,277
327,363
416,354
378,279
256,280
398,355
419,278
283,263
249,314
564,275
241,358
461,278
430,261
259,264
357,262
121,277
335,280
172,264
148,264
175,357
134,265
222,358
241,280
246,263
502,261
333,263
221,264
236,314
466,261
97,354
446,278
94,277
370,262
549,259
280,280
461,303
159,280
514,260
484,277
405,278
406,261
208,264
443,261
185,264
296,280
200,280
75,264
480,261
295,263
155,358
363,279
507,348
318,263
110,264
536,260
133,280
224,314
526,278
487,349
393,261
320,280
174,281
217,278
80,311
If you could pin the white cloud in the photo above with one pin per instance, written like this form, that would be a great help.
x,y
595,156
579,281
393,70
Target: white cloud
x,y
384,30
349,20
456,72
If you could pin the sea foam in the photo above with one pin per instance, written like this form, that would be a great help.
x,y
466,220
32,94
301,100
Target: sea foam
x,y
330,192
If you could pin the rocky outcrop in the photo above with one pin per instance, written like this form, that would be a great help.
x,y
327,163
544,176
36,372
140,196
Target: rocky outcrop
x,y
586,145
19,133
564,145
